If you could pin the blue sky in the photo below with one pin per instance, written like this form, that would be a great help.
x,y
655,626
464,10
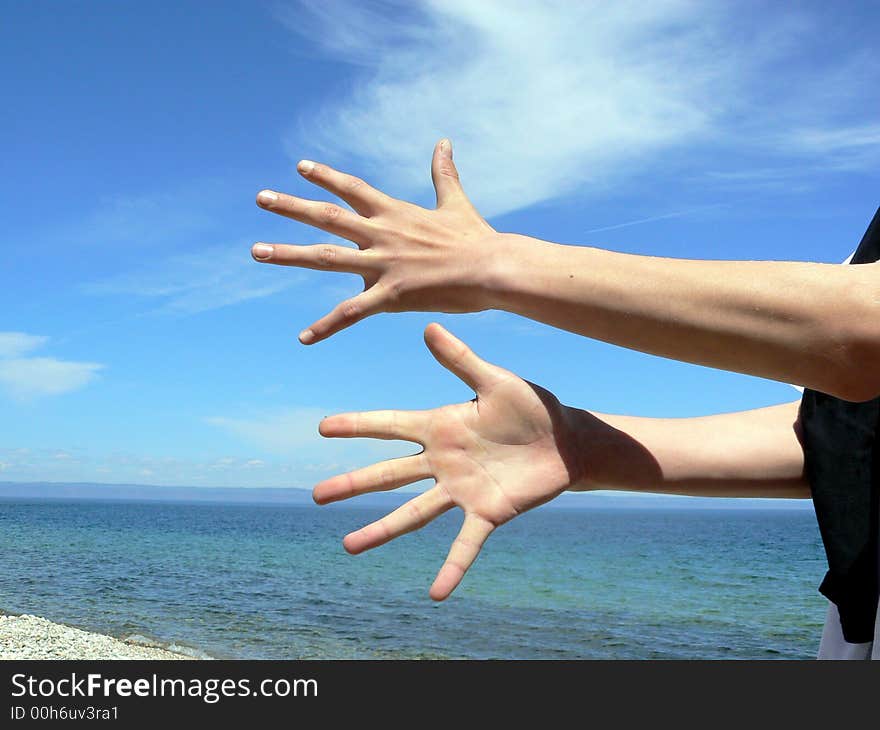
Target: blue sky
x,y
140,342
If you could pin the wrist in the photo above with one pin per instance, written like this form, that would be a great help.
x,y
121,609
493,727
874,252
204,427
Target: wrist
x,y
506,267
576,427
606,456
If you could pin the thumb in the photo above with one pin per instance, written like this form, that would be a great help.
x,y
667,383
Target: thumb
x,y
445,175
459,359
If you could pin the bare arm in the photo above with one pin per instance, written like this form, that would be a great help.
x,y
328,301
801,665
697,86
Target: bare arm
x,y
813,324
806,323
755,453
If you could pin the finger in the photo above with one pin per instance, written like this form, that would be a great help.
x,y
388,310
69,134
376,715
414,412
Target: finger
x,y
416,513
462,555
447,184
402,425
326,216
345,314
318,256
364,198
459,359
381,477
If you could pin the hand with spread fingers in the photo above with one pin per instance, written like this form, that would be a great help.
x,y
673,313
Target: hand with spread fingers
x,y
515,447
410,258
506,451
734,315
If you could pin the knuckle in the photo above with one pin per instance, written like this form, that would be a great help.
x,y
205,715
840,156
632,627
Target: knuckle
x,y
386,477
389,299
382,259
394,289
326,255
354,184
384,529
455,563
449,170
329,212
462,354
350,309
415,513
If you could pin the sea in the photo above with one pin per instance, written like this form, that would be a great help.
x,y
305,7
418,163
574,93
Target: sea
x,y
272,581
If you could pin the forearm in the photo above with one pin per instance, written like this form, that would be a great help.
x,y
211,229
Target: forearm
x,y
806,323
754,453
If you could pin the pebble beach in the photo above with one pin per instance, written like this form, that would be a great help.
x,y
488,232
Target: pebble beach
x,y
32,637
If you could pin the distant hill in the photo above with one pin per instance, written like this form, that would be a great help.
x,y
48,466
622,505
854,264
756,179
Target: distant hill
x,y
293,496
146,492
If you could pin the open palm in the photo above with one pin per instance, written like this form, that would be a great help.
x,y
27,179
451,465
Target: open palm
x,y
506,451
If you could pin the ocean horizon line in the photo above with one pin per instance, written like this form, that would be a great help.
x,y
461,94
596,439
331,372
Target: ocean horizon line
x,y
600,499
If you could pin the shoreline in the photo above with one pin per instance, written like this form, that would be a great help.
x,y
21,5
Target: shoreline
x,y
33,637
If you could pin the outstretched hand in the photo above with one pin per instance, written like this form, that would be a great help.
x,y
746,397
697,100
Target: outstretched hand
x,y
410,258
508,450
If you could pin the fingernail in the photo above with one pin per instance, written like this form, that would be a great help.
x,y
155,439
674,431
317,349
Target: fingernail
x,y
306,336
266,197
262,250
305,166
446,147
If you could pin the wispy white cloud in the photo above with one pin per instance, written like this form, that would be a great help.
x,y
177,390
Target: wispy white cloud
x,y
84,465
151,220
652,219
547,97
538,97
842,148
184,262
15,344
191,283
40,376
24,378
283,431
791,178
827,141
302,468
293,434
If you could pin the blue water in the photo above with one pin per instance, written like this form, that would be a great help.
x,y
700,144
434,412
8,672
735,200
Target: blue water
x,y
251,581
